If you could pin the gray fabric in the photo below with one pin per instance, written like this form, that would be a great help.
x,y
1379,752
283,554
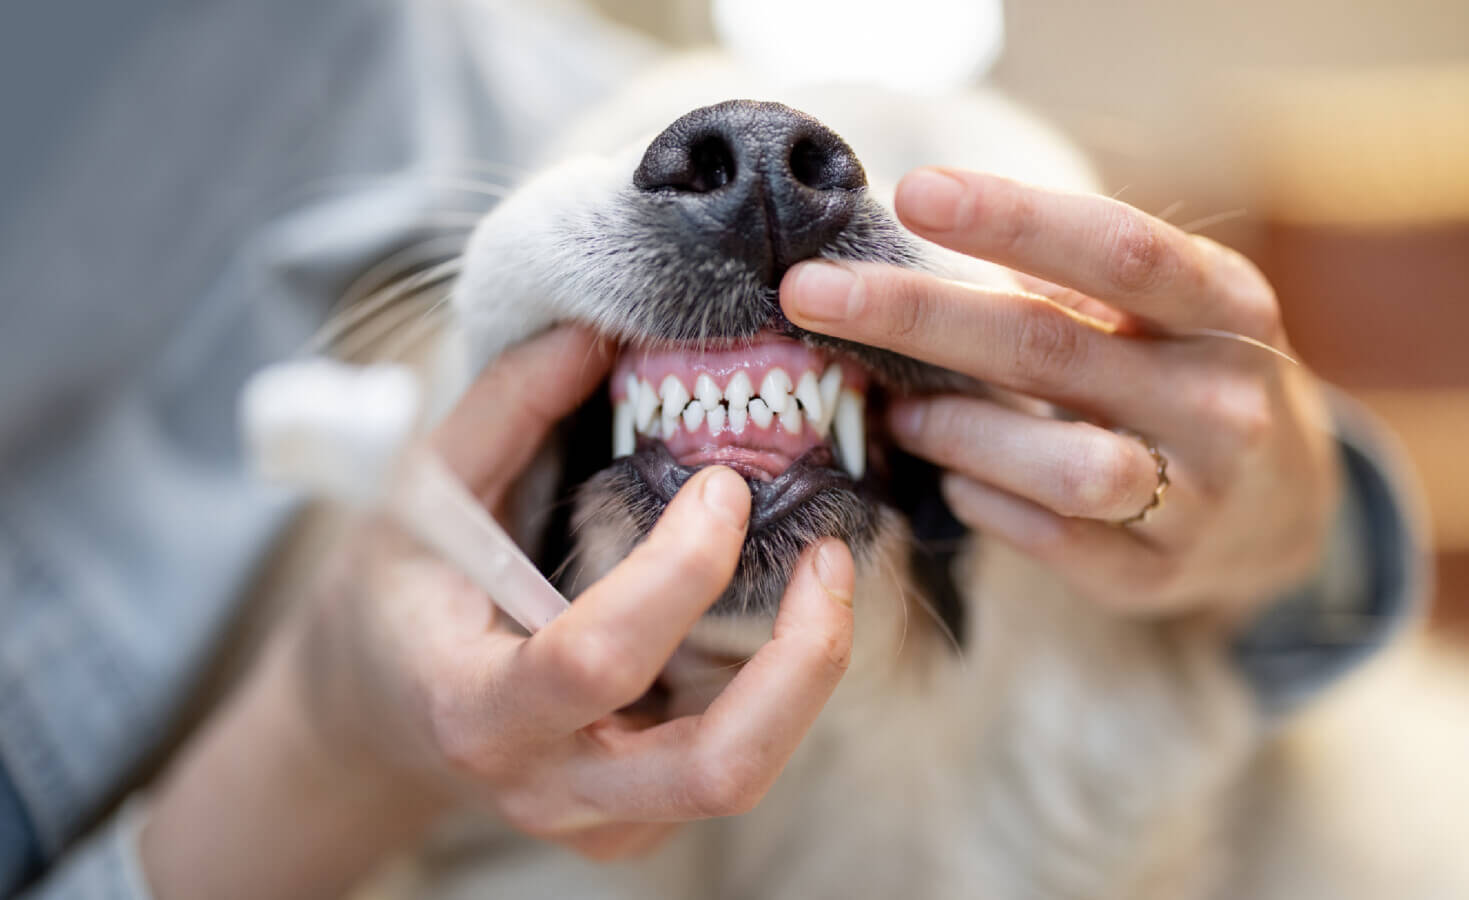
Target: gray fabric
x,y
239,165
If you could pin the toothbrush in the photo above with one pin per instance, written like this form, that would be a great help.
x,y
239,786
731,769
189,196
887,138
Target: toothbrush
x,y
346,432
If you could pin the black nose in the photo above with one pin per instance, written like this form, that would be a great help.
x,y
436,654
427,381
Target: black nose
x,y
769,185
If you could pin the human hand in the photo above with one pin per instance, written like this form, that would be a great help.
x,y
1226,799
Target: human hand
x,y
1107,326
408,669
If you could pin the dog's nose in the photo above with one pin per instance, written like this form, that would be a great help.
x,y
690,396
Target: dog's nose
x,y
769,185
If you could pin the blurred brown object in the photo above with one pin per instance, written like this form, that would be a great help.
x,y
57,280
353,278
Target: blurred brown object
x,y
1363,187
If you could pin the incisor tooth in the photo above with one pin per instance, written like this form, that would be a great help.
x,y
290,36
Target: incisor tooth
x,y
624,440
716,420
810,396
775,390
675,395
850,432
790,420
739,391
693,416
647,405
670,425
707,391
738,416
760,413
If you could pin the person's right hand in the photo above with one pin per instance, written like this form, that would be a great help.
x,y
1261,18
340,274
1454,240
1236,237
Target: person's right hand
x,y
406,666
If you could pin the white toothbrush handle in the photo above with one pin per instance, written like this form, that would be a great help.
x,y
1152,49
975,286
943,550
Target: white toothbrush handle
x,y
435,505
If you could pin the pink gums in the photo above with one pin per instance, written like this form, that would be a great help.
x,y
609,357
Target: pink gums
x,y
756,452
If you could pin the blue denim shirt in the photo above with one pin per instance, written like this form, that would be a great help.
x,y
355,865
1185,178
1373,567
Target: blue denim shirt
x,y
194,224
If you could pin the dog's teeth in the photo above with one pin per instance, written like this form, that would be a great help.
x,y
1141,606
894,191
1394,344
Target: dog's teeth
x,y
760,413
624,439
647,405
738,416
790,420
775,390
693,417
831,385
850,426
810,396
670,425
716,420
675,395
707,392
739,390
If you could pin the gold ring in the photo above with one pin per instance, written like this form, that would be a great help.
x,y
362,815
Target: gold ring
x,y
1161,462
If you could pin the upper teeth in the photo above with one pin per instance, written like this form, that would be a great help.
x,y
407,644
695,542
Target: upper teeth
x,y
820,402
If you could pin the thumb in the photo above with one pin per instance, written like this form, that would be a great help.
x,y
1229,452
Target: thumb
x,y
497,426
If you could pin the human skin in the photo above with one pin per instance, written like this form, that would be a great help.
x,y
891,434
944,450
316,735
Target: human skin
x,y
1106,326
397,692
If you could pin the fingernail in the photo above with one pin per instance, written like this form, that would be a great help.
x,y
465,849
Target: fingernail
x,y
828,565
726,495
823,292
906,418
931,199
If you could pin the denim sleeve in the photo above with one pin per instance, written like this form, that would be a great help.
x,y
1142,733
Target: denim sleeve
x,y
1368,588
105,866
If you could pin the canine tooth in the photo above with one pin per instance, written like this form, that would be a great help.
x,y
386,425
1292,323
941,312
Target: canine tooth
x,y
775,390
739,391
693,416
849,427
738,417
790,420
624,439
810,396
675,395
760,413
831,385
647,405
707,391
716,420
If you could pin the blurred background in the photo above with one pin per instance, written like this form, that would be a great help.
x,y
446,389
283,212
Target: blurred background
x,y
1328,141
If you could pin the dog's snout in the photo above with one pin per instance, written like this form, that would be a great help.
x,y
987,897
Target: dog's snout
x,y
769,185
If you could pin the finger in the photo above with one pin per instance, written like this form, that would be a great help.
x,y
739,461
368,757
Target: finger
x,y
605,651
622,840
500,422
1103,562
1071,468
1201,400
723,761
1098,246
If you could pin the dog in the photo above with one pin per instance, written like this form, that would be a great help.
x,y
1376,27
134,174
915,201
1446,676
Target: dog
x,y
994,736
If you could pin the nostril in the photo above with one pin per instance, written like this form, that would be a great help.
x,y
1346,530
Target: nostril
x,y
711,165
823,167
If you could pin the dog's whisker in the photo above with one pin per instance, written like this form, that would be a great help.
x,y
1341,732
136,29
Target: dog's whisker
x,y
1170,211
1200,224
361,313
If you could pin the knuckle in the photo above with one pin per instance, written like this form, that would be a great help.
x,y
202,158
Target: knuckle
x,y
910,307
597,666
1102,477
721,788
1138,252
1048,346
1240,408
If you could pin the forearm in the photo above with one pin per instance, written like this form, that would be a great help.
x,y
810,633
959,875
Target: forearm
x,y
257,806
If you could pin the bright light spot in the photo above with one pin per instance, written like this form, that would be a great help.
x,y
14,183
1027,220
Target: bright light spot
x,y
912,44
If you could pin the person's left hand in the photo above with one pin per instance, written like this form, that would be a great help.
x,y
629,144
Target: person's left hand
x,y
1098,331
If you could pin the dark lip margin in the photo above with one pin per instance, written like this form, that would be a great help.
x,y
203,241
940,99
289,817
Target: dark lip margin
x,y
808,475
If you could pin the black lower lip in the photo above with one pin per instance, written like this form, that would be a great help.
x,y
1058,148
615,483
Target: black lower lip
x,y
770,501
